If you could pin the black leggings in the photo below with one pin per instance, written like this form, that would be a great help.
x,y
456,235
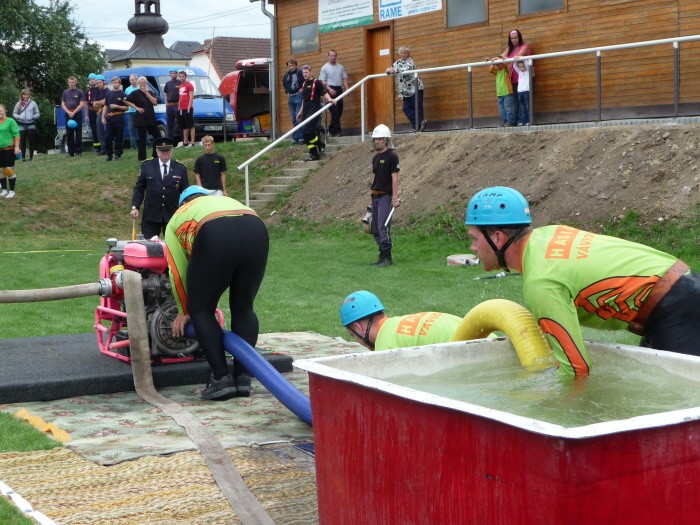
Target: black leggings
x,y
229,252
674,324
27,136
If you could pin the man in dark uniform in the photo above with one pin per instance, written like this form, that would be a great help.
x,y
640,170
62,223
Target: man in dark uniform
x,y
312,92
72,102
113,119
98,102
172,97
92,111
160,182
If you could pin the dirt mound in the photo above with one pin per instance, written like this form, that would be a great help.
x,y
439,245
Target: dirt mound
x,y
575,176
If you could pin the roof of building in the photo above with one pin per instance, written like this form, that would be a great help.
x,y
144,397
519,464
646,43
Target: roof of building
x,y
185,47
224,51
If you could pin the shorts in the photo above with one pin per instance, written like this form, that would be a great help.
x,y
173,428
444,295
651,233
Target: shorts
x,y
185,119
7,159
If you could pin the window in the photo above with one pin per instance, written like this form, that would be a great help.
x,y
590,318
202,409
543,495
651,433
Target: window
x,y
462,12
533,6
304,38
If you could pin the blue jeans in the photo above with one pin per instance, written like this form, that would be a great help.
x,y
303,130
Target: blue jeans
x,y
506,109
524,107
413,114
133,133
294,103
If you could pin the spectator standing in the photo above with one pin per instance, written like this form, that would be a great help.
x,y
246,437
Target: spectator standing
x,y
26,114
172,99
406,86
516,49
160,183
210,169
385,191
90,95
362,314
215,244
312,92
99,103
143,101
185,117
113,119
523,92
335,79
131,113
504,92
292,81
9,150
72,102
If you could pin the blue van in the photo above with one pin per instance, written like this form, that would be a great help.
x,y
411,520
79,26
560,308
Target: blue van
x,y
213,115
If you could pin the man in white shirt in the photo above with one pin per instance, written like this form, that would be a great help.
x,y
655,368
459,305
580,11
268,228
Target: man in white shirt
x,y
335,79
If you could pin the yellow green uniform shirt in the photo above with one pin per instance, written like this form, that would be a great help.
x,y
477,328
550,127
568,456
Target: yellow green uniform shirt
x,y
181,233
572,277
424,328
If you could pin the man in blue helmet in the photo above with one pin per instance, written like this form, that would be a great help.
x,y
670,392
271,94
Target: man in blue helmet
x,y
572,277
172,97
216,243
362,313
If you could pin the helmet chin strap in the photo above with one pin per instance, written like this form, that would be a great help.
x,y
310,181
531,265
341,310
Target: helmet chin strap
x,y
365,338
501,253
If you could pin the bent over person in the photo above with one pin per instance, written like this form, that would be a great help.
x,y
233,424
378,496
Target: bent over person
x,y
362,314
573,277
214,244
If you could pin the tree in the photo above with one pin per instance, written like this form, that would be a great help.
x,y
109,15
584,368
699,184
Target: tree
x,y
40,47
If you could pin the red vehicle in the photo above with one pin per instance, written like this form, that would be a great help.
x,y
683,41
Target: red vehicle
x,y
248,91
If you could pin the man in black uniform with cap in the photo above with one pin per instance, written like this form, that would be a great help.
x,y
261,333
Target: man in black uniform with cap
x,y
160,182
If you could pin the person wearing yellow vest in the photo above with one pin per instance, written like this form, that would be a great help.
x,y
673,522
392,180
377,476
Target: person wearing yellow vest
x,y
216,243
362,313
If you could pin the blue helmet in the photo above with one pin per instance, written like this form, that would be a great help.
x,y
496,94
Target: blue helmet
x,y
359,305
192,190
92,76
173,70
498,206
72,124
100,77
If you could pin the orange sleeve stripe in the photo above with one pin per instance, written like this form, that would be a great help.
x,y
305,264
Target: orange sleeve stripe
x,y
179,287
579,364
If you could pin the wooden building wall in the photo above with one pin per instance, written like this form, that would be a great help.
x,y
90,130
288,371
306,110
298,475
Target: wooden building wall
x,y
635,82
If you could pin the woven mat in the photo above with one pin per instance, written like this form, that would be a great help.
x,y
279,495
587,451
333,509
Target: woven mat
x,y
172,490
111,428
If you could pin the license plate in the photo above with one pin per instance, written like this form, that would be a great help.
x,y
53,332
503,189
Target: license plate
x,y
213,128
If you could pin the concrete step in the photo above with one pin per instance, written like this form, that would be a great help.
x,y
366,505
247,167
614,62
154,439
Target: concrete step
x,y
298,164
274,188
260,196
297,171
344,140
334,148
290,178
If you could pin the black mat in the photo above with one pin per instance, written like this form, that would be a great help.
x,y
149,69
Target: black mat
x,y
57,367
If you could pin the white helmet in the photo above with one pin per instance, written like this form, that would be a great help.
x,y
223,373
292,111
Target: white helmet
x,y
381,132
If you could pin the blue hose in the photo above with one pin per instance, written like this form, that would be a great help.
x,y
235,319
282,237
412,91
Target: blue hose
x,y
264,372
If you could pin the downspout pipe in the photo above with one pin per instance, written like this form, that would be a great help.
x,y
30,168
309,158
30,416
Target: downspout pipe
x,y
273,68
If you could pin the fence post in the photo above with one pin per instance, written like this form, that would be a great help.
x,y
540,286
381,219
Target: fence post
x,y
676,77
599,85
471,97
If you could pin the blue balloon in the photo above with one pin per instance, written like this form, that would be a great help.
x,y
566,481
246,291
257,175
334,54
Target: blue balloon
x,y
72,124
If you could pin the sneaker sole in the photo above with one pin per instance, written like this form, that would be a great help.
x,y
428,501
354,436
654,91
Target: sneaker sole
x,y
224,392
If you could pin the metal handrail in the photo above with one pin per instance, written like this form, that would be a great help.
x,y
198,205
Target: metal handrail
x,y
675,41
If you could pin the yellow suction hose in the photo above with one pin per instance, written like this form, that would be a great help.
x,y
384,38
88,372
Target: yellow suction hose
x,y
518,324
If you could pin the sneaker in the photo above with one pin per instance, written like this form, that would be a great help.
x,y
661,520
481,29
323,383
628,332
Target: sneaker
x,y
242,386
190,145
108,159
117,157
310,158
423,125
3,193
219,388
10,195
